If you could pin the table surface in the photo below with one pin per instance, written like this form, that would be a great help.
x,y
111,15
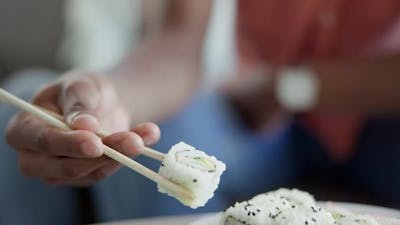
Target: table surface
x,y
169,220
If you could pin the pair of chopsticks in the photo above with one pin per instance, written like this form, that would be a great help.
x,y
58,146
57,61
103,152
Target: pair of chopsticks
x,y
58,121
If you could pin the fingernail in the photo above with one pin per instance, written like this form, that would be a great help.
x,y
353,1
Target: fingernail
x,y
91,149
85,122
147,140
71,117
89,117
132,146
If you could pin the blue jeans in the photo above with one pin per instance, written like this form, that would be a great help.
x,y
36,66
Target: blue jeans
x,y
255,163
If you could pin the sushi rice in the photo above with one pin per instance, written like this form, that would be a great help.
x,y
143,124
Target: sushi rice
x,y
281,207
294,207
194,170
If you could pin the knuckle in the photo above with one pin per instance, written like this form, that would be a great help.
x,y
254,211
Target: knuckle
x,y
73,87
43,91
75,94
71,171
78,84
47,140
42,139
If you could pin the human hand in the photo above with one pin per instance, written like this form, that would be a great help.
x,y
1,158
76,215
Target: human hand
x,y
88,102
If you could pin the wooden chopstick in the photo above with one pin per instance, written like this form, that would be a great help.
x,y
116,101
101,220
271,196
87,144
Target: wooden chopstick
x,y
101,133
117,156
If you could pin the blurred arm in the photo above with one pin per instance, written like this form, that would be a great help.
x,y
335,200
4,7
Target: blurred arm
x,y
156,79
368,86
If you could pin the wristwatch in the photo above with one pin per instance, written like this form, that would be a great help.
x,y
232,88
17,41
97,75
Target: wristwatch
x,y
297,89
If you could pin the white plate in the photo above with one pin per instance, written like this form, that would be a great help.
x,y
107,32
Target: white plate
x,y
357,208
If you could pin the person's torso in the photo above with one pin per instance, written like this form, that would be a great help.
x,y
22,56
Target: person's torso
x,y
289,31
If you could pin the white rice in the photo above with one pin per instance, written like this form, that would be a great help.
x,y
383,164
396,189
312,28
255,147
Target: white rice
x,y
294,207
194,170
347,218
281,207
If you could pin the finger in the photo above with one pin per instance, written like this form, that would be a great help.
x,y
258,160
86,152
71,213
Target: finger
x,y
28,132
44,166
128,143
79,99
91,178
74,144
116,121
149,132
47,97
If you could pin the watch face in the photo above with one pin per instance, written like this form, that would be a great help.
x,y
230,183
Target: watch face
x,y
297,89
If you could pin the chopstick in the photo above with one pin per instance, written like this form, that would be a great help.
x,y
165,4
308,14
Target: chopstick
x,y
117,156
101,133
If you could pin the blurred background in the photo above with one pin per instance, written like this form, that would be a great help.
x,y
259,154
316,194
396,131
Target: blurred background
x,y
51,36
97,35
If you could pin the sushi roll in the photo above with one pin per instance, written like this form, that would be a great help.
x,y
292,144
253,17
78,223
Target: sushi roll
x,y
388,221
194,170
345,217
297,197
281,207
294,207
305,216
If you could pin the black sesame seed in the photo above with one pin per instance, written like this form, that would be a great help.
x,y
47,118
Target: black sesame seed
x,y
194,180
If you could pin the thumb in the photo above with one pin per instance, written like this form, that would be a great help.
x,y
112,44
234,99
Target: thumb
x,y
79,100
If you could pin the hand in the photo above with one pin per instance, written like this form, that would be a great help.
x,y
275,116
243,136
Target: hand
x,y
88,103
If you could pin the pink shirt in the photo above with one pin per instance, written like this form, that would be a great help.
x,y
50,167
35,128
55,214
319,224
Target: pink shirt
x,y
288,32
